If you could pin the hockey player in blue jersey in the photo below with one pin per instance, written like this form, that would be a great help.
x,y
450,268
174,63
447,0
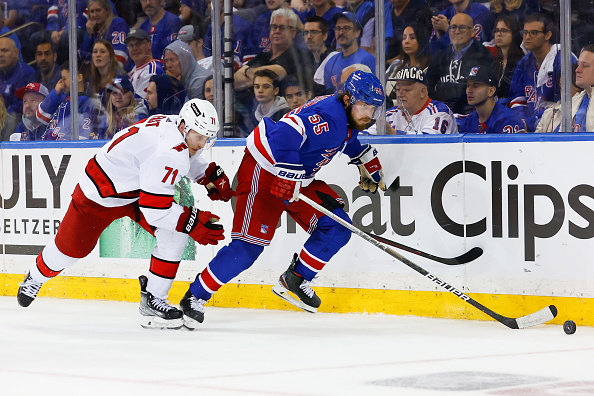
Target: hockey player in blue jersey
x,y
279,164
535,84
488,116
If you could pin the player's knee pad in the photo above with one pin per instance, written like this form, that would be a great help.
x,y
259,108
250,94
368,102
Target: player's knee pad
x,y
339,234
170,244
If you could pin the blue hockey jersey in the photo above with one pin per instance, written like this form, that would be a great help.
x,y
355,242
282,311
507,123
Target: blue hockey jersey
x,y
306,138
335,65
241,29
163,33
501,120
483,19
116,34
54,112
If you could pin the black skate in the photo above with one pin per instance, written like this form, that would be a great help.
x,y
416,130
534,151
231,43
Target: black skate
x,y
28,290
157,313
292,282
193,309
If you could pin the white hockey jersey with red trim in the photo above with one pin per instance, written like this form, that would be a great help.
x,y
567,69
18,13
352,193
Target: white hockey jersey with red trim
x,y
143,163
433,118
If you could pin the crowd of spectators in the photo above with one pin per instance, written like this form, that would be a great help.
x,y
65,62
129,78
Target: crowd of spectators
x,y
473,64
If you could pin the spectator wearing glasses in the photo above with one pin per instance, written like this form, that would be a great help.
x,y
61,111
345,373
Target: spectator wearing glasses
x,y
258,39
325,9
535,83
484,22
450,66
365,12
315,33
508,52
348,31
283,58
139,47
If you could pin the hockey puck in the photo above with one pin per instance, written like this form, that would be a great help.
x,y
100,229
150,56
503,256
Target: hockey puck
x,y
569,327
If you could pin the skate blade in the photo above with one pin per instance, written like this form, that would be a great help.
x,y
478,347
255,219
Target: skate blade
x,y
190,323
285,295
157,323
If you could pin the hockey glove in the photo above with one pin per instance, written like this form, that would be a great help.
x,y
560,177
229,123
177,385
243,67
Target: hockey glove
x,y
217,183
201,226
287,182
370,170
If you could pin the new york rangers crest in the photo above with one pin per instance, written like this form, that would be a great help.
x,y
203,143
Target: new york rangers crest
x,y
474,71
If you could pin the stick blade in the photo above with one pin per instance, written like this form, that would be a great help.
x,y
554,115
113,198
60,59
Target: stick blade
x,y
469,256
537,318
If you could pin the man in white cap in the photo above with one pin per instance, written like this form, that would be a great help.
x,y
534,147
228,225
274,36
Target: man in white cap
x,y
416,112
30,128
134,175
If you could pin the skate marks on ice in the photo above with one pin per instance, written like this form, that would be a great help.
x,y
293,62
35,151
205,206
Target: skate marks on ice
x,y
62,347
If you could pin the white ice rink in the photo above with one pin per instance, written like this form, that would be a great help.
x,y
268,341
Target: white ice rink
x,y
69,347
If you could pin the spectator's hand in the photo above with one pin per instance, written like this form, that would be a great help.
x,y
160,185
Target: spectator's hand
x,y
440,23
91,26
56,37
60,86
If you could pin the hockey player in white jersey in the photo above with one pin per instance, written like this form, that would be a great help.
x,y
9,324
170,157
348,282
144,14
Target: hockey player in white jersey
x,y
416,112
134,175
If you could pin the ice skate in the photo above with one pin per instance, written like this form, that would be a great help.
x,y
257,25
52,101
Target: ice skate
x,y
292,282
28,290
157,313
193,309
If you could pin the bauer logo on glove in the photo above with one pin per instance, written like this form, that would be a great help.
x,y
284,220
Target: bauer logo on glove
x,y
217,183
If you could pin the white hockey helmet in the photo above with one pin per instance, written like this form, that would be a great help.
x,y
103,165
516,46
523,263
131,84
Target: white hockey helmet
x,y
201,116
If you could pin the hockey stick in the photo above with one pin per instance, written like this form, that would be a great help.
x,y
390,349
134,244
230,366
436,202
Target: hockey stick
x,y
467,257
534,319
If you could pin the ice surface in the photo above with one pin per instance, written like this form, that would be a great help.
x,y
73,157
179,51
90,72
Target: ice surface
x,y
74,347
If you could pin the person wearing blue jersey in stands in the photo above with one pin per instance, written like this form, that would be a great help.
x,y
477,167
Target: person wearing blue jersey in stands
x,y
30,128
280,164
162,26
325,9
535,83
103,24
488,116
348,31
484,22
54,111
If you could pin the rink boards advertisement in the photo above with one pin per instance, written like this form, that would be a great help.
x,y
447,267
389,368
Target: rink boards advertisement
x,y
528,202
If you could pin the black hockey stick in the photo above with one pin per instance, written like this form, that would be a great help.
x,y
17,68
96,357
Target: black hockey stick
x,y
536,318
467,257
